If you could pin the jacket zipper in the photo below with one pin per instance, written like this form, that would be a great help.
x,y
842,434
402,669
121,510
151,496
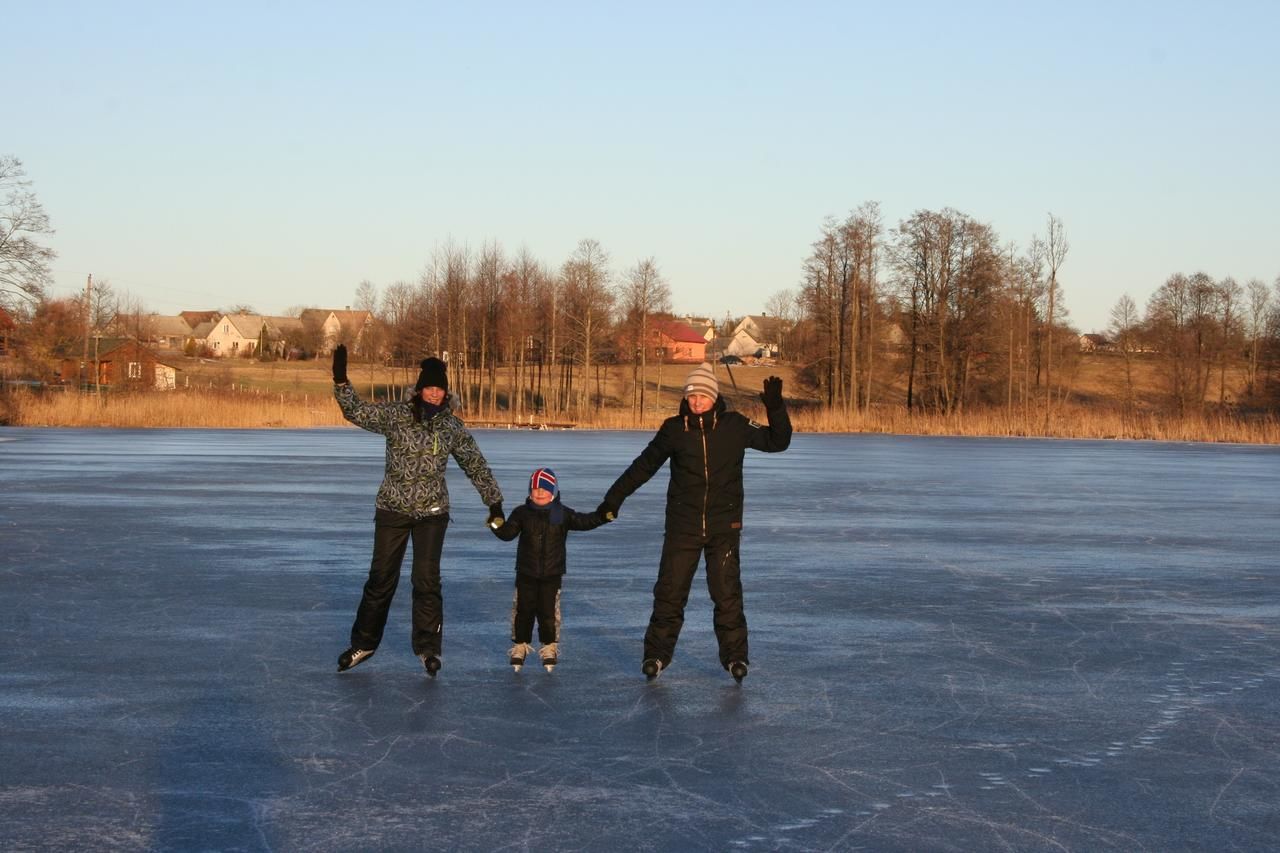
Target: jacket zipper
x,y
706,480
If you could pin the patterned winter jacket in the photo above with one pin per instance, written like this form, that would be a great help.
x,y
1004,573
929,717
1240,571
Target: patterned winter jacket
x,y
414,483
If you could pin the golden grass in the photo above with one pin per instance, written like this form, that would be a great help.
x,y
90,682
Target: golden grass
x,y
1068,422
257,410
177,409
299,395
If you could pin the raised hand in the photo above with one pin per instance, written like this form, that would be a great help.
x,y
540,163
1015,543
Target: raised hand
x,y
340,364
772,396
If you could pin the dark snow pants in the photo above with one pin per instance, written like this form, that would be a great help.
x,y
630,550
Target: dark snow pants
x,y
540,598
391,534
680,556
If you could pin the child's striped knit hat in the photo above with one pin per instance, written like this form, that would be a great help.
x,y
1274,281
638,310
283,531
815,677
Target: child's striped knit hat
x,y
544,478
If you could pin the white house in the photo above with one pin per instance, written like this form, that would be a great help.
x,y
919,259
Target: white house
x,y
757,335
235,334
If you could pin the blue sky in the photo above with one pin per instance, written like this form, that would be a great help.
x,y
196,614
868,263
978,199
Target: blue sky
x,y
276,154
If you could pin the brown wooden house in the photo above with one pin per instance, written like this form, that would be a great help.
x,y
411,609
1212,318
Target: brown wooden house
x,y
120,364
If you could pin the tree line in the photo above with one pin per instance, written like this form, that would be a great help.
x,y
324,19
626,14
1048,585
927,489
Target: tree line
x,y
935,313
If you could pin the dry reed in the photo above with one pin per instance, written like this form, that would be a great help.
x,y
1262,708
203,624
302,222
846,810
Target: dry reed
x,y
250,410
177,409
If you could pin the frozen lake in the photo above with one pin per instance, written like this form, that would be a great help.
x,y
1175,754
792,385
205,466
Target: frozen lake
x,y
957,644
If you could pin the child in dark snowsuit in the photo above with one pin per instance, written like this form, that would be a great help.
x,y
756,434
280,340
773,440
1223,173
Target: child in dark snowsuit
x,y
543,525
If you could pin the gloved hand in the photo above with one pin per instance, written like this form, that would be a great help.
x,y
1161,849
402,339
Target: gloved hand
x,y
772,396
340,364
495,516
607,511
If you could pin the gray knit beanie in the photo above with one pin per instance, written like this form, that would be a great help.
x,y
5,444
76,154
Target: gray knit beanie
x,y
702,381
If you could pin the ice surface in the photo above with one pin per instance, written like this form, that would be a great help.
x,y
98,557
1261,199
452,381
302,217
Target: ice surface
x,y
957,644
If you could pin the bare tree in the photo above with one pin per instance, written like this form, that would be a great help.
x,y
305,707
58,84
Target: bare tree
x,y
822,291
24,262
948,273
781,304
1229,296
645,293
398,315
1259,311
367,300
860,235
1124,330
589,303
131,319
1169,321
1055,247
486,287
784,305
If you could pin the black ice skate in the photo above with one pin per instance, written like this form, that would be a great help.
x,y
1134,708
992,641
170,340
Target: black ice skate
x,y
651,667
432,664
353,656
519,652
548,654
738,670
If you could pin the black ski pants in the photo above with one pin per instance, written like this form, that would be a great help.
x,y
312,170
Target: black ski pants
x,y
391,534
536,598
680,556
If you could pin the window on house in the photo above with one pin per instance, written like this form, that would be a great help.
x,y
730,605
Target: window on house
x,y
135,370
217,344
235,345
226,328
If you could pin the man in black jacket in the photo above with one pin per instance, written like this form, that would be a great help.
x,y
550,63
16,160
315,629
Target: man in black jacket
x,y
706,444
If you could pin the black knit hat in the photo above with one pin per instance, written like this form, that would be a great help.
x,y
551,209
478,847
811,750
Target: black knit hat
x,y
433,374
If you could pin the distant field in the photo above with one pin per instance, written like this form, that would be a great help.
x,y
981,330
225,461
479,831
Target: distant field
x,y
237,393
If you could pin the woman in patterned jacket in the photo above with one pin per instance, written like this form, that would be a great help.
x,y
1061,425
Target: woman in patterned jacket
x,y
413,501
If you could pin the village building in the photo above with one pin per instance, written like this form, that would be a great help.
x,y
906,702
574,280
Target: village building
x,y
335,327
236,335
199,338
166,332
1095,343
676,342
119,364
703,326
757,336
197,318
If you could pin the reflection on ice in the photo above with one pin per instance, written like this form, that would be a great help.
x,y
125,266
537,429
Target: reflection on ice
x,y
956,644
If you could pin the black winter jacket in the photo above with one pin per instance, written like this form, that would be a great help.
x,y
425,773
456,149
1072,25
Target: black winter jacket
x,y
541,552
706,453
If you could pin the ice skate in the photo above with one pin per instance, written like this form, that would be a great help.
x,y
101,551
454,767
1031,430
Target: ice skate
x,y
353,656
431,663
738,670
548,654
651,667
519,652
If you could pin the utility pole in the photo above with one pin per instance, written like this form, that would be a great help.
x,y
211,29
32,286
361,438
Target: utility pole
x,y
88,296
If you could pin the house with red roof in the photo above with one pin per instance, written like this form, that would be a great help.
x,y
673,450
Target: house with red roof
x,y
676,342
